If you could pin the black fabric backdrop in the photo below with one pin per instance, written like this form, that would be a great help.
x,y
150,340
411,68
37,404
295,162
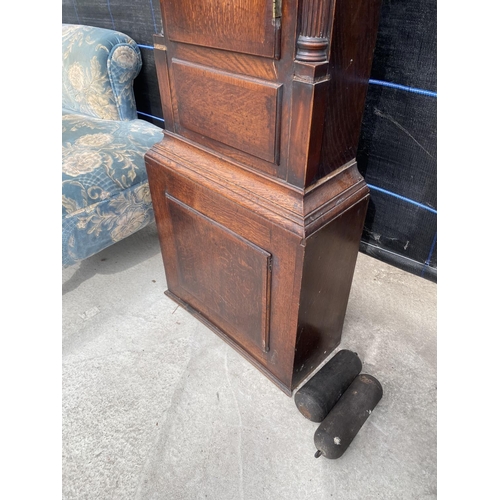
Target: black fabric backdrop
x,y
397,149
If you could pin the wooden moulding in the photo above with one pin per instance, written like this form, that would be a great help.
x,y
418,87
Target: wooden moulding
x,y
300,211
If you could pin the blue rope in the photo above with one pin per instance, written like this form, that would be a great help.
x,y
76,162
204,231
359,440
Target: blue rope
x,y
375,188
431,251
76,12
403,87
150,116
374,82
111,15
399,197
153,15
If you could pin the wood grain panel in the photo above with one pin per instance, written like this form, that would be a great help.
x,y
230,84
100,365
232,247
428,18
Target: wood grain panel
x,y
330,258
245,26
230,62
222,275
243,113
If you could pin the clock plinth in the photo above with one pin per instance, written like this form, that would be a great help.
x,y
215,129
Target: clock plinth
x,y
258,200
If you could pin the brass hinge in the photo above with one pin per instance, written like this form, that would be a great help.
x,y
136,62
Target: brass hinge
x,y
276,9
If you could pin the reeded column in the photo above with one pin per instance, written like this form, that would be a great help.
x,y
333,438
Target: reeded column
x,y
314,37
310,85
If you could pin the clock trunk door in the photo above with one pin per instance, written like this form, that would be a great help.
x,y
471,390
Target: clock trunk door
x,y
245,26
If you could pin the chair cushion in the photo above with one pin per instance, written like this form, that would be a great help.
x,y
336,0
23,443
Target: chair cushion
x,y
105,191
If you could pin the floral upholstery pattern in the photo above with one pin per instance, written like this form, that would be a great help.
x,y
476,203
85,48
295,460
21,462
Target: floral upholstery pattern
x,y
98,71
105,190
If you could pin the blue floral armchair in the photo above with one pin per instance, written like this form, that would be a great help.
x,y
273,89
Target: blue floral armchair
x,y
105,190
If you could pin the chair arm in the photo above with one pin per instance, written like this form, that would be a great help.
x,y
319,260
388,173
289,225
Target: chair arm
x,y
98,71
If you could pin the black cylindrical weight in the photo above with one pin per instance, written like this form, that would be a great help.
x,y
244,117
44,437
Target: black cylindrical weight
x,y
317,397
335,434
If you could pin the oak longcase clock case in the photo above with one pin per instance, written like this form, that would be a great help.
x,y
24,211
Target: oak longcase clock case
x,y
258,200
